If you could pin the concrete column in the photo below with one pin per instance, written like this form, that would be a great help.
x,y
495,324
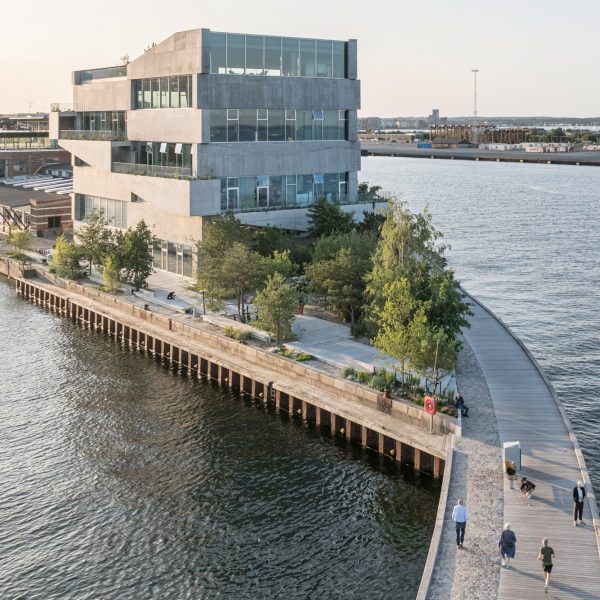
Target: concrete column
x,y
351,61
398,448
304,406
363,434
333,419
317,416
417,459
277,399
381,441
437,463
348,430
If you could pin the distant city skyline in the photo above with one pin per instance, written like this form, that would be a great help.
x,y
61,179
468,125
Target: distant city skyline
x,y
412,57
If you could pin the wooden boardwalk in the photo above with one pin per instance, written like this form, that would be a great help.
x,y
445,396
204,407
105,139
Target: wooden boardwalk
x,y
527,412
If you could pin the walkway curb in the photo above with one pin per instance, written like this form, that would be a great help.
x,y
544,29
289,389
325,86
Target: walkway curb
x,y
579,455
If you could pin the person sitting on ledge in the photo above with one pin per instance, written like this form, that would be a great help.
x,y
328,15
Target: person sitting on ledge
x,y
170,295
459,403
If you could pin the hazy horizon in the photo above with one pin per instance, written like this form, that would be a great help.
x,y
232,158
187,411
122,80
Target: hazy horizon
x,y
412,57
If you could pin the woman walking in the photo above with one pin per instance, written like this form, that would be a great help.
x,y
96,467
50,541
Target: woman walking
x,y
546,554
508,545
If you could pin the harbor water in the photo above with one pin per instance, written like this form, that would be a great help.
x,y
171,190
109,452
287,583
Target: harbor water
x,y
524,241
122,480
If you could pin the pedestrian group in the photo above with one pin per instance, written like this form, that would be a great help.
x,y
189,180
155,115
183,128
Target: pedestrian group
x,y
508,540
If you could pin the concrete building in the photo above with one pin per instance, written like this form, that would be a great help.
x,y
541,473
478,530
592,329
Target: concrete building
x,y
207,122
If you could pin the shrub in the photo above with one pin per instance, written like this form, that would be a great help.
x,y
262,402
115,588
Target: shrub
x,y
349,373
303,356
236,334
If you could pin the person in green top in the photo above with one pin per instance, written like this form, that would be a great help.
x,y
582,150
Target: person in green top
x,y
546,554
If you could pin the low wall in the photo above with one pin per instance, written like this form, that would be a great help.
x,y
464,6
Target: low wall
x,y
440,518
405,410
15,269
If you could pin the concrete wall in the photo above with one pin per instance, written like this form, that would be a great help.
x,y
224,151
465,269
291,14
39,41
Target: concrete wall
x,y
179,54
97,154
296,218
277,158
103,94
165,125
237,91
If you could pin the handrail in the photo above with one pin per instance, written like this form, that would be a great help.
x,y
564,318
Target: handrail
x,y
106,135
153,170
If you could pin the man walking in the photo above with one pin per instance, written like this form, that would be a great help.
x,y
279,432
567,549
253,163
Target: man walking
x,y
578,498
459,516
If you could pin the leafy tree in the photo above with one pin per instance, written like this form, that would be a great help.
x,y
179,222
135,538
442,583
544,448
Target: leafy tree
x,y
66,259
341,282
362,246
325,218
110,274
279,262
277,304
372,222
432,351
94,238
20,240
136,259
271,239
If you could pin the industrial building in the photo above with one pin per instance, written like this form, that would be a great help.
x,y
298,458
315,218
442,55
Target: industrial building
x,y
207,122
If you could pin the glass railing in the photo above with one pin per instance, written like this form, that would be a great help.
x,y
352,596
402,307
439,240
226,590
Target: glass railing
x,y
103,73
153,170
104,135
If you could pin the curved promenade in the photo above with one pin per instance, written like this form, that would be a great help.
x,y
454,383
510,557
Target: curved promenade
x,y
526,410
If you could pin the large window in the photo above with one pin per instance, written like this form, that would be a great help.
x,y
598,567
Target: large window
x,y
272,192
236,54
110,120
115,211
163,92
276,125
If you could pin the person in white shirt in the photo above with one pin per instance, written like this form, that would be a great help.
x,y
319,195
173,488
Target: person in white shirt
x,y
460,516
578,502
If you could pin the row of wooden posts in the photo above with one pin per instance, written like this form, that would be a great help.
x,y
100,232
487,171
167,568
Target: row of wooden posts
x,y
205,367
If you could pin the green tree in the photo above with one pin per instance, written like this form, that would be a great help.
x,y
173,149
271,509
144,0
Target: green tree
x,y
66,259
432,351
20,240
340,280
94,239
278,262
277,304
136,258
362,246
110,274
325,218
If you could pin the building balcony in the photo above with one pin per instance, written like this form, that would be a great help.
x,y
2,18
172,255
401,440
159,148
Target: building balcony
x,y
88,75
154,170
106,135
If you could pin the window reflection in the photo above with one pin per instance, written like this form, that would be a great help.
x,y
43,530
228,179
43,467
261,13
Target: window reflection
x,y
239,194
163,92
238,54
276,125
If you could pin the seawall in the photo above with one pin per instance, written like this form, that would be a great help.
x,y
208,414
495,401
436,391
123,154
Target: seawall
x,y
394,428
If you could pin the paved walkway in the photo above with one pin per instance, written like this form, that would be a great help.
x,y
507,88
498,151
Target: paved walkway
x,y
526,411
472,573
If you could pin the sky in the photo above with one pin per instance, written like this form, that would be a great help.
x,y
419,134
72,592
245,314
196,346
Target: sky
x,y
535,57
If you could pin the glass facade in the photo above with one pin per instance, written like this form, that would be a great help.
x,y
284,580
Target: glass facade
x,y
236,54
163,92
162,154
239,194
172,257
277,125
115,211
115,121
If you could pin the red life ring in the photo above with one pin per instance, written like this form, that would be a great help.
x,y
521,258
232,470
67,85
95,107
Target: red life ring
x,y
429,405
